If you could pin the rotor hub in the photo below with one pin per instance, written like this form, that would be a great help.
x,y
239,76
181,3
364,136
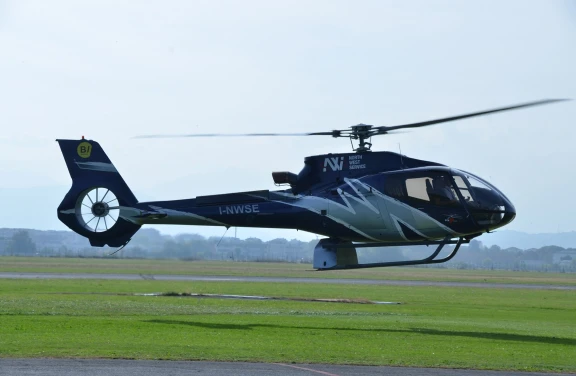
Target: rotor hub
x,y
361,132
361,129
100,209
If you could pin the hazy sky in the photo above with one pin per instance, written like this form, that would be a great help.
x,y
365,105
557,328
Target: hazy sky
x,y
110,70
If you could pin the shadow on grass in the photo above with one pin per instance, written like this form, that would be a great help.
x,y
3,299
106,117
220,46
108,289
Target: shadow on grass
x,y
436,332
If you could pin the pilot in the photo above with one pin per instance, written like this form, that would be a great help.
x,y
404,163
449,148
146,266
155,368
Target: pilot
x,y
442,189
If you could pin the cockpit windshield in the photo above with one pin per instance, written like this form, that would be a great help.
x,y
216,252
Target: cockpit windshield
x,y
447,188
486,203
473,188
436,188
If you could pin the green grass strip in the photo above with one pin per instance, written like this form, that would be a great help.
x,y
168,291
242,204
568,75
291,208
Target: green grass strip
x,y
433,327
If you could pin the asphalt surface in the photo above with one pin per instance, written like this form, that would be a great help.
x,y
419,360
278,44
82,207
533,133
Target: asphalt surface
x,y
107,367
167,277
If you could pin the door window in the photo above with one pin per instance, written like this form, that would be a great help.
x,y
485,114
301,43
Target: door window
x,y
423,187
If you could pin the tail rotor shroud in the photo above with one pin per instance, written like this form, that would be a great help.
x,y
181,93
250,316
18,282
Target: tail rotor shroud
x,y
97,209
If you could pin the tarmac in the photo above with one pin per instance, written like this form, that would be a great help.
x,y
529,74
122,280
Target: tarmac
x,y
168,277
115,367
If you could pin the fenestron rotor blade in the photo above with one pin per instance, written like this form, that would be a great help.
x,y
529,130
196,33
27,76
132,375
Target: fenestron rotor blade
x,y
465,116
103,197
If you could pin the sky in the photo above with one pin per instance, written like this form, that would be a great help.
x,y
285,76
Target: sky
x,y
111,70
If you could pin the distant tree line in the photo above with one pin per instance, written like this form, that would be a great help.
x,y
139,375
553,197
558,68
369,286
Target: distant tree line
x,y
549,258
150,243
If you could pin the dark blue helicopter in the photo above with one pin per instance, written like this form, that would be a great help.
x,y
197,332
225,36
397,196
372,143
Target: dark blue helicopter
x,y
360,199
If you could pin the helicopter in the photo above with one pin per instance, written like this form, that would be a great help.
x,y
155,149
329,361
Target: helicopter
x,y
355,200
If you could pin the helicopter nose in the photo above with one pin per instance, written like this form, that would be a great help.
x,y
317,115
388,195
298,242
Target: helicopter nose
x,y
509,213
493,211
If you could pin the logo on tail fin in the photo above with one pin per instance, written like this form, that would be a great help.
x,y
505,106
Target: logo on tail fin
x,y
84,149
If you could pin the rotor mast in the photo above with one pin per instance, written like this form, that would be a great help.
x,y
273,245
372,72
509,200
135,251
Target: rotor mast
x,y
361,132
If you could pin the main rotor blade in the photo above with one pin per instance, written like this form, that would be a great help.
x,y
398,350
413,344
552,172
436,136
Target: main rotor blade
x,y
233,135
465,116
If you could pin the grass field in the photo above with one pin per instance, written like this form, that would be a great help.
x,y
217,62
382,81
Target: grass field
x,y
435,326
223,268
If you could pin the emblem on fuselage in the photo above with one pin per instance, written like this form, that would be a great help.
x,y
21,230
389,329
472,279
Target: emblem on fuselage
x,y
354,162
335,163
453,218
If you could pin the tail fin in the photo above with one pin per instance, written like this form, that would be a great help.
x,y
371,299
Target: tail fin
x,y
99,197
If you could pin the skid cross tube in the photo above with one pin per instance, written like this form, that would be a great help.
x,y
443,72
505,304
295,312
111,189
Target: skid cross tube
x,y
449,257
399,244
428,260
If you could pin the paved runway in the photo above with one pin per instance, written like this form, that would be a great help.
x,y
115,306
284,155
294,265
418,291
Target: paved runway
x,y
108,367
167,277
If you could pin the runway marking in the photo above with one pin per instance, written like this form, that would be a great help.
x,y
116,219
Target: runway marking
x,y
255,297
306,369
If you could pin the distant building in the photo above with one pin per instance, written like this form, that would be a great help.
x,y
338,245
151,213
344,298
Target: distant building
x,y
564,257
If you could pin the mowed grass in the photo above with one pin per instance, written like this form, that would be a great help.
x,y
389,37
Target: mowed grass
x,y
518,329
224,268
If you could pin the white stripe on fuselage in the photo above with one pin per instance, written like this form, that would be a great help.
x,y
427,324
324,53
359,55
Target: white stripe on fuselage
x,y
362,200
318,211
397,222
413,210
178,213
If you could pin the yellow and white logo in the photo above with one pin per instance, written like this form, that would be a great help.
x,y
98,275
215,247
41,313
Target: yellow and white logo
x,y
84,149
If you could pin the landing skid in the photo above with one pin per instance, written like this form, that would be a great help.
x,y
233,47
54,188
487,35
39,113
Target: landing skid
x,y
331,254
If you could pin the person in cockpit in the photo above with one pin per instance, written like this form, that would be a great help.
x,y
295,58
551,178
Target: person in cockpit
x,y
442,191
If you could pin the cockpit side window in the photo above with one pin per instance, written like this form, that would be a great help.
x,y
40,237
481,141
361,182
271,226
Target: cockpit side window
x,y
441,191
417,188
463,188
424,187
